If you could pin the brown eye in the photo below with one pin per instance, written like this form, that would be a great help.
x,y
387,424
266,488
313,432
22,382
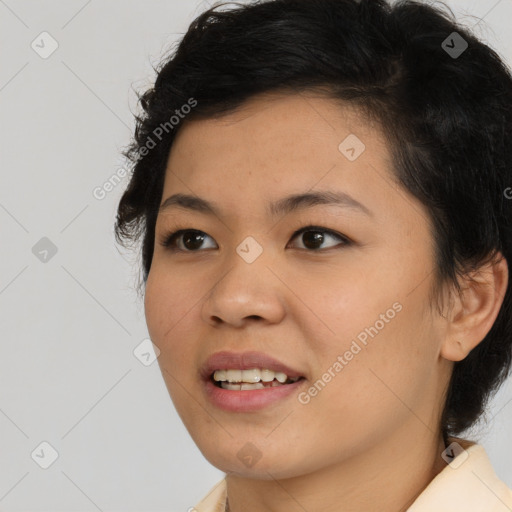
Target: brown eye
x,y
313,237
191,240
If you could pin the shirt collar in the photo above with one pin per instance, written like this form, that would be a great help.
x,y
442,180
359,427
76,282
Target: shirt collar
x,y
467,483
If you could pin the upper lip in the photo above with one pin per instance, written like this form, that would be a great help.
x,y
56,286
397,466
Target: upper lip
x,y
245,361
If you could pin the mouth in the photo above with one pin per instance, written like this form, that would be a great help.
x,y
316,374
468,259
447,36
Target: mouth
x,y
251,397
254,378
247,368
248,381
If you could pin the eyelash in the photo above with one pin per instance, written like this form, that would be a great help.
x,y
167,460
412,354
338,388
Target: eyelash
x,y
169,240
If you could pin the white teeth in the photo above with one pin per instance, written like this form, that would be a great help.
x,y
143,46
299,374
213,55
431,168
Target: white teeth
x,y
234,375
229,385
281,377
220,375
244,386
251,376
241,386
256,385
267,375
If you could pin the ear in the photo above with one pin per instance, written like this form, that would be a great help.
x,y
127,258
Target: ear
x,y
475,309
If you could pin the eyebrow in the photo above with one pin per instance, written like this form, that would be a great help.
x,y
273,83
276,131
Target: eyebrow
x,y
280,207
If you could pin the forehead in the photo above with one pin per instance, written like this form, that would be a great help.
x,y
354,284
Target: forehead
x,y
277,138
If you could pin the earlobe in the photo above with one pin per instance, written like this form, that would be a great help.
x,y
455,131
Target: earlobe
x,y
475,309
454,350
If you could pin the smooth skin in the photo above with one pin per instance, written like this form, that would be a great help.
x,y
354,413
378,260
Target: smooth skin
x,y
370,439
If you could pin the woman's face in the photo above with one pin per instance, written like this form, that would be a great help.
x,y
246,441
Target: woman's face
x,y
343,305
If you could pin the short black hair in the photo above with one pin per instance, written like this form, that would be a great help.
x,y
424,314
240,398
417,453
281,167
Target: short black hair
x,y
443,100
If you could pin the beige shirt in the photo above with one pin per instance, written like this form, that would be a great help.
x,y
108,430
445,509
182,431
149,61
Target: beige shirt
x,y
467,484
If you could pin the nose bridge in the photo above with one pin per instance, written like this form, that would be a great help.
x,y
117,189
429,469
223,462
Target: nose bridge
x,y
247,288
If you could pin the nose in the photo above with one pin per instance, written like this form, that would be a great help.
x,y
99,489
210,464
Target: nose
x,y
244,293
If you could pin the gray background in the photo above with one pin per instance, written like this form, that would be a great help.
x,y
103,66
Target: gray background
x,y
70,324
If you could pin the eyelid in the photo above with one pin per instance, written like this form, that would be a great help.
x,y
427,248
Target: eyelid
x,y
169,238
344,238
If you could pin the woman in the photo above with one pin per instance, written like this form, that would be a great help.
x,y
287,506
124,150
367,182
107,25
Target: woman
x,y
320,187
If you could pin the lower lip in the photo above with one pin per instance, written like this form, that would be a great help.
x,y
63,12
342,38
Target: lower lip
x,y
248,399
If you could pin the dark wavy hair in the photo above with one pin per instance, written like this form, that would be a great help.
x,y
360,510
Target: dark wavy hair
x,y
446,115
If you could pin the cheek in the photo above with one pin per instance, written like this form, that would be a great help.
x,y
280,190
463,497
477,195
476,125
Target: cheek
x,y
383,335
390,366
167,310
156,302
344,307
167,301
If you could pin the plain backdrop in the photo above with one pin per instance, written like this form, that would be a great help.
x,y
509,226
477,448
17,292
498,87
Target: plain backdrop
x,y
70,319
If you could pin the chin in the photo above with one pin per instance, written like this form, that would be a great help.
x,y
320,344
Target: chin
x,y
249,462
